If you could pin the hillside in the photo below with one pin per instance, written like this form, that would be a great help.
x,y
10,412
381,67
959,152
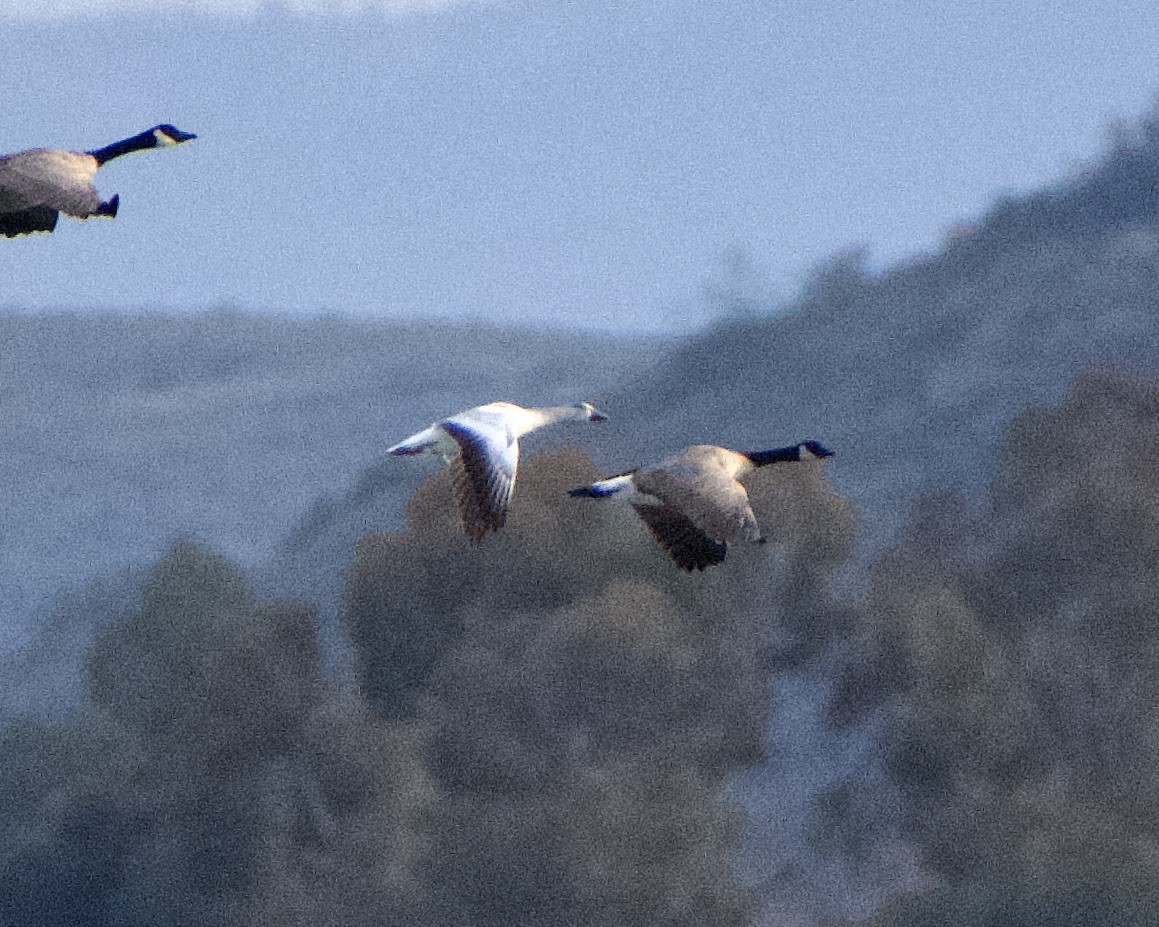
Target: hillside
x,y
913,376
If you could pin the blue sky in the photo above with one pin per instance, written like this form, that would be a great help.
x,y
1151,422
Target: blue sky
x,y
582,163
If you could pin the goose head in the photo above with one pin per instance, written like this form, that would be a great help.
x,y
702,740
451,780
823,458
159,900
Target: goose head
x,y
165,136
813,450
586,412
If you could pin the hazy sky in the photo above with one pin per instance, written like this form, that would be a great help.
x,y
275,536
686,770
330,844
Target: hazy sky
x,y
581,163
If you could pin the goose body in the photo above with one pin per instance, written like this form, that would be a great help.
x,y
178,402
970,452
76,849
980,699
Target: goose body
x,y
694,504
38,184
482,445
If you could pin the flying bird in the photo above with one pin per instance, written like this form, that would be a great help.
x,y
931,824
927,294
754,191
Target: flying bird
x,y
482,447
38,184
694,504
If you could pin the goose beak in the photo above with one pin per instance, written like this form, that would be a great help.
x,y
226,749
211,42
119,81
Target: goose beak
x,y
594,414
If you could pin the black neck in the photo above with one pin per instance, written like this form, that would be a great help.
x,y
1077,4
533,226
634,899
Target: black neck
x,y
776,455
125,146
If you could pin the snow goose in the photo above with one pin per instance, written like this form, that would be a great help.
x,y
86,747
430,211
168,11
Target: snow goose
x,y
694,504
482,446
39,184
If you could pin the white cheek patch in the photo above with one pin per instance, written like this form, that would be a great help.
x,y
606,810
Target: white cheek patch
x,y
803,453
163,140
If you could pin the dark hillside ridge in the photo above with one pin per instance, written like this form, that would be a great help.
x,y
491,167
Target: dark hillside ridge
x,y
1119,193
912,375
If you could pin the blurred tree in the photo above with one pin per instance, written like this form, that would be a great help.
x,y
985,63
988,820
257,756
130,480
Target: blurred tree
x,y
586,701
216,777
1010,659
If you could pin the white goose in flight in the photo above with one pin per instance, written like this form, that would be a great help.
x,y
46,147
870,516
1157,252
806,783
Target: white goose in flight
x,y
38,184
694,504
482,445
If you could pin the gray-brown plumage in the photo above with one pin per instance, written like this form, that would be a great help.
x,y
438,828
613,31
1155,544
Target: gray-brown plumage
x,y
684,543
482,489
39,184
694,504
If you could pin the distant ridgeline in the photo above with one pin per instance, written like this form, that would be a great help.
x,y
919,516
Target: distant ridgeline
x,y
912,375
1120,193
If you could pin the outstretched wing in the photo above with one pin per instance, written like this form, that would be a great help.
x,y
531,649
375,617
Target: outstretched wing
x,y
27,221
715,503
684,543
484,476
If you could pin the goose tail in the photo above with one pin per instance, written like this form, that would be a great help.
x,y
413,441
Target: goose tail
x,y
617,487
421,443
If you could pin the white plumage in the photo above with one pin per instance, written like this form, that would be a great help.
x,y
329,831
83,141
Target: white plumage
x,y
482,444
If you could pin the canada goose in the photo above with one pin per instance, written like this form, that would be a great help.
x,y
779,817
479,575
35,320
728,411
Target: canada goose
x,y
39,184
482,444
695,505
